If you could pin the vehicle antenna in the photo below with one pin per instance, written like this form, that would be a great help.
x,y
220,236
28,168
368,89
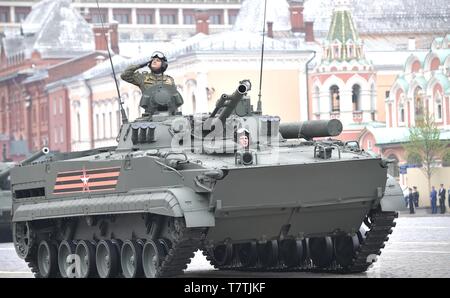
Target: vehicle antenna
x,y
259,107
122,110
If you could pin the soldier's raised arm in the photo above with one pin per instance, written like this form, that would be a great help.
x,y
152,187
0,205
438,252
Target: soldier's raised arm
x,y
131,75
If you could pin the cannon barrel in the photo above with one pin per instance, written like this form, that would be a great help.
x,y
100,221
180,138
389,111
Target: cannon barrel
x,y
227,103
31,158
311,129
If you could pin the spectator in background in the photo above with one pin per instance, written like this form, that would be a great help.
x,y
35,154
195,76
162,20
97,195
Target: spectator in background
x,y
433,197
448,197
416,196
442,194
411,201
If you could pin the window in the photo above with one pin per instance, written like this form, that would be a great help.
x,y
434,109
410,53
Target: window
x,y
438,107
123,16
189,19
419,103
335,98
336,52
61,105
4,14
232,15
56,136
356,92
439,111
145,16
402,113
215,19
21,14
55,106
124,36
168,19
350,51
148,36
386,94
369,145
169,16
98,17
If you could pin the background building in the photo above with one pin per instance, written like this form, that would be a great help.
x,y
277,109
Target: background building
x,y
422,87
139,20
54,65
344,82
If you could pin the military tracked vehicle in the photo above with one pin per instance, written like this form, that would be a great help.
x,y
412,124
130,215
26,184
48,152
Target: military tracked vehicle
x,y
5,194
251,193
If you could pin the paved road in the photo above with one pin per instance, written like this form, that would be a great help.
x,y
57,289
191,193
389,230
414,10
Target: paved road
x,y
419,247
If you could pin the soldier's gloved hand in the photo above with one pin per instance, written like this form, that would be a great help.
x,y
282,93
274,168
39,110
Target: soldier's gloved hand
x,y
143,64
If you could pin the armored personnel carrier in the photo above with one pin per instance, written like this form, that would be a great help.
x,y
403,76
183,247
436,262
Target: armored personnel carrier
x,y
251,193
5,194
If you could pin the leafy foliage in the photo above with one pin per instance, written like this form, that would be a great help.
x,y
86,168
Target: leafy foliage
x,y
425,146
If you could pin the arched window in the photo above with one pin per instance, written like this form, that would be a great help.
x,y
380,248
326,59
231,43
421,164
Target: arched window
x,y
336,52
350,52
419,103
393,168
438,106
401,112
335,98
373,101
356,95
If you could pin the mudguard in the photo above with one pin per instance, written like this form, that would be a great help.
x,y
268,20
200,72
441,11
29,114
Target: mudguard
x,y
175,202
195,207
393,199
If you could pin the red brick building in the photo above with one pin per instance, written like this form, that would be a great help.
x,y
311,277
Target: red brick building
x,y
34,62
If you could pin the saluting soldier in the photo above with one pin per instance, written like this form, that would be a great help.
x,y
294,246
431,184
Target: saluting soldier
x,y
158,65
145,80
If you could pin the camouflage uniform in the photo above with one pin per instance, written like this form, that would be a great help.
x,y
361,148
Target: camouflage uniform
x,y
145,79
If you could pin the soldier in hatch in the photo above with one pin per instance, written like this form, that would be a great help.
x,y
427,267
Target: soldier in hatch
x,y
153,99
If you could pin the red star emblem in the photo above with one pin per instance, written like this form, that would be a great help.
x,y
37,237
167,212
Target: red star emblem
x,y
85,180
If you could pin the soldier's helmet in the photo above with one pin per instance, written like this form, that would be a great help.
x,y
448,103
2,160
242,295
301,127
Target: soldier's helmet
x,y
163,59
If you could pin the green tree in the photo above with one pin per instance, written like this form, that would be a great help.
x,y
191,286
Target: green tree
x,y
425,146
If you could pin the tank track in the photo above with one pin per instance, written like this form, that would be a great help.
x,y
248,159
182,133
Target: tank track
x,y
182,251
177,253
380,227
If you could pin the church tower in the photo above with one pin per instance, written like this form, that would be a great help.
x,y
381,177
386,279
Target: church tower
x,y
343,82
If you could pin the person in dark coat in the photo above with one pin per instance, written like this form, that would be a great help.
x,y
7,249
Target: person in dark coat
x,y
411,201
433,196
441,194
448,196
416,196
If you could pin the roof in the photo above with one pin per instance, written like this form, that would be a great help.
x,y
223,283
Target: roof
x,y
388,58
401,81
342,27
444,81
387,16
53,28
251,16
396,135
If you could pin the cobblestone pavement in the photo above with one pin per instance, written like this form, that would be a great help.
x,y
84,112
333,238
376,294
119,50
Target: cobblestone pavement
x,y
418,247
